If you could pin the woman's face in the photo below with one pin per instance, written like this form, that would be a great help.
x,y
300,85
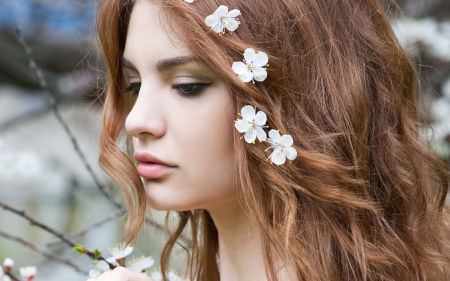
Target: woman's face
x,y
182,118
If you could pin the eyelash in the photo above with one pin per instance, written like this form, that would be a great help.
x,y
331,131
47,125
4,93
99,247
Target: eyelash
x,y
133,87
184,89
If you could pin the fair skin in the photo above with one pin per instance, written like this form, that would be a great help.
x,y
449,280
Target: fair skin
x,y
183,116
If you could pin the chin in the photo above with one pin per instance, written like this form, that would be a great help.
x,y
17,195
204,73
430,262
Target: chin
x,y
161,200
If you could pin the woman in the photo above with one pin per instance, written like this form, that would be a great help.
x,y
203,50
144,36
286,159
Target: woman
x,y
340,189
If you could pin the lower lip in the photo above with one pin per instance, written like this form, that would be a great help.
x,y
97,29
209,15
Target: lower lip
x,y
153,170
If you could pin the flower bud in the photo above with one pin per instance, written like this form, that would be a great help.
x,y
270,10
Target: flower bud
x,y
80,249
28,272
97,253
8,264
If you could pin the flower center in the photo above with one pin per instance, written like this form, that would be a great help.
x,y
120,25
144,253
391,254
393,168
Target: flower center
x,y
250,66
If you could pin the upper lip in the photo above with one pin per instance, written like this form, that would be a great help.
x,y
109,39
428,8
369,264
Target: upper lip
x,y
147,157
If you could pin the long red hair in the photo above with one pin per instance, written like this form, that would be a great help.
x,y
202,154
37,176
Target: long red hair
x,y
365,199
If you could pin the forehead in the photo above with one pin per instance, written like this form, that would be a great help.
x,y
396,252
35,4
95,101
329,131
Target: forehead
x,y
150,36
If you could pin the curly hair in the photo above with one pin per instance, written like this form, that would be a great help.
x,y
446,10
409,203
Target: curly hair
x,y
366,197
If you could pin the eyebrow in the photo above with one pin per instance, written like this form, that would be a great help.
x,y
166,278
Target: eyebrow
x,y
162,65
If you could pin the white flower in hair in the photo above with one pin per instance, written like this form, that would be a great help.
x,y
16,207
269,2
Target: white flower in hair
x,y
282,146
189,1
221,19
253,67
252,124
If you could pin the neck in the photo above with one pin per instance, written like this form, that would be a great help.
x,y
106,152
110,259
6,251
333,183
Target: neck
x,y
240,252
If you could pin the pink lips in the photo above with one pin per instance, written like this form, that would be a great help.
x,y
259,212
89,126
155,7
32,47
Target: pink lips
x,y
151,167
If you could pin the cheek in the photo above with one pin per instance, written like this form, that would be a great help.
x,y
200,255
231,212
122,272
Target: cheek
x,y
218,147
209,149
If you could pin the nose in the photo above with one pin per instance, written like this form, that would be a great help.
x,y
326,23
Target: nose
x,y
146,117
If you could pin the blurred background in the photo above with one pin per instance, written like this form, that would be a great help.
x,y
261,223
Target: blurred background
x,y
41,173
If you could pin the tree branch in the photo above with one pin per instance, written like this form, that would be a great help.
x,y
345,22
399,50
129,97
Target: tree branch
x,y
51,98
52,231
79,233
41,251
14,278
38,224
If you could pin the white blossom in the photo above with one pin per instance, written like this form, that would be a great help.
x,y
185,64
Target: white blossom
x,y
8,263
252,124
120,251
141,264
28,272
189,1
253,68
221,19
282,147
100,268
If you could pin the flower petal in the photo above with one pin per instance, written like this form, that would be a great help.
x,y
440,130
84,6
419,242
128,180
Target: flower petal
x,y
259,74
233,13
212,20
189,1
103,265
221,11
291,153
247,76
93,273
128,250
286,140
141,264
274,135
157,276
249,55
241,125
261,134
278,157
261,59
239,67
218,28
232,25
260,118
147,262
250,136
248,113
112,261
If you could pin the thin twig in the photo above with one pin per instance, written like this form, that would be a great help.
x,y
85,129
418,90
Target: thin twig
x,y
79,233
12,276
38,224
50,230
51,99
41,251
